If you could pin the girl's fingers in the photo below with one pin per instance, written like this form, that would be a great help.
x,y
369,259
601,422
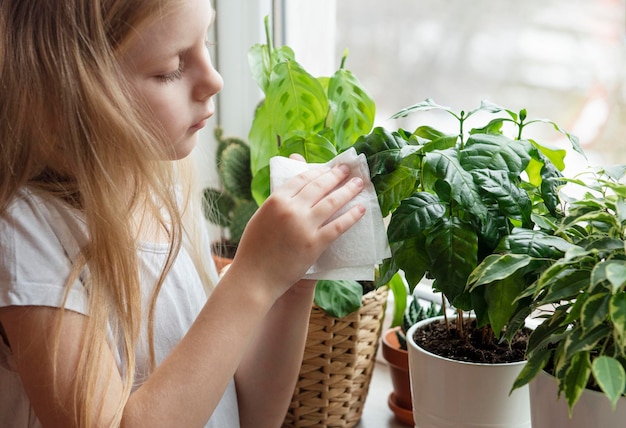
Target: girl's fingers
x,y
338,198
323,184
335,228
294,186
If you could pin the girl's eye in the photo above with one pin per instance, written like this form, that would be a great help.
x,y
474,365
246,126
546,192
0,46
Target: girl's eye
x,y
175,75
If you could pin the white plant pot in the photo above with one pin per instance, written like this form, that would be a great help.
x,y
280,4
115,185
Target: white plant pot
x,y
593,409
456,394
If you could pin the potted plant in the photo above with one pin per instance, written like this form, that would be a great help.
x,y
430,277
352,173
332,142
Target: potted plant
x,y
578,352
394,351
453,198
319,117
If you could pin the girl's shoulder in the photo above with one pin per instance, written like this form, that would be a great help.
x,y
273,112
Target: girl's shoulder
x,y
36,219
40,237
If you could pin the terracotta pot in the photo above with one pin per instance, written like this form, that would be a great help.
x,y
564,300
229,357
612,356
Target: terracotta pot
x,y
400,399
593,409
221,263
449,393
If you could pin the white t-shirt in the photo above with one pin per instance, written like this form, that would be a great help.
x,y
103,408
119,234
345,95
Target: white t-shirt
x,y
39,238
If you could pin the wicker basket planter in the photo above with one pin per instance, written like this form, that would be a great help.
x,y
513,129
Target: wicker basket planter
x,y
337,366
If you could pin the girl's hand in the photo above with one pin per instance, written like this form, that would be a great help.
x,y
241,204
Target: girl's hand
x,y
292,228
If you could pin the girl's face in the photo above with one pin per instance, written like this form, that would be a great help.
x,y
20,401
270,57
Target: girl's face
x,y
169,66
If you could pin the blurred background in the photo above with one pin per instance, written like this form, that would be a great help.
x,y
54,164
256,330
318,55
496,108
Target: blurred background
x,y
562,60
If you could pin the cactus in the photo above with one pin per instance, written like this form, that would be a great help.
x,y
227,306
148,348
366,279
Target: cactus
x,y
415,312
232,206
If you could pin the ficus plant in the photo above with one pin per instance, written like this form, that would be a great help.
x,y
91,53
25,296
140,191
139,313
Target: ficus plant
x,y
454,197
581,294
316,117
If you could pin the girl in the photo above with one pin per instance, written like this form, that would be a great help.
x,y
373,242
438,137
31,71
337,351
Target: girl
x,y
103,316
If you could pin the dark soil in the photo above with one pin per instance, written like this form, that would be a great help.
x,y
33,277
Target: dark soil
x,y
476,348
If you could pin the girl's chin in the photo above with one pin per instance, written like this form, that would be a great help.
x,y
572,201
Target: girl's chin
x,y
183,148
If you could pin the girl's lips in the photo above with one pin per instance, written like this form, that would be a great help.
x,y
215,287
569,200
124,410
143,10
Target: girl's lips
x,y
199,125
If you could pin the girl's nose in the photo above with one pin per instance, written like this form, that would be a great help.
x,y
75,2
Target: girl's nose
x,y
208,81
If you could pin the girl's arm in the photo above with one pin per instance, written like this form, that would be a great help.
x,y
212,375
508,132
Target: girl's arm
x,y
286,235
268,373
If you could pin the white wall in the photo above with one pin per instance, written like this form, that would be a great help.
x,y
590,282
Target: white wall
x,y
238,26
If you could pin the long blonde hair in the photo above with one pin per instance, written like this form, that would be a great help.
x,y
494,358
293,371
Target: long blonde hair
x,y
69,127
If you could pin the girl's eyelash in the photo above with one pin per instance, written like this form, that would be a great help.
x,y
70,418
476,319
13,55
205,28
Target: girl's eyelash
x,y
175,75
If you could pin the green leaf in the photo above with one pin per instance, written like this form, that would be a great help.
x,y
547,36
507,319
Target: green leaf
x,y
563,284
550,183
399,290
295,100
352,108
263,140
452,247
496,267
411,257
556,156
579,341
512,200
612,271
500,297
378,141
534,364
338,298
545,332
534,243
617,314
572,138
444,165
315,148
576,378
495,152
595,311
611,377
259,63
414,215
392,188
425,105
261,185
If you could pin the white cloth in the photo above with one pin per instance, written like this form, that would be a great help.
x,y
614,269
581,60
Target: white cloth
x,y
355,254
39,236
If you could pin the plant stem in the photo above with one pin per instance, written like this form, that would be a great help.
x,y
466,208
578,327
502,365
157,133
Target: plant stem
x,y
445,314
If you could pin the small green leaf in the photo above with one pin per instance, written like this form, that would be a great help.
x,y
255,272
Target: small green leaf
x,y
443,166
392,188
425,105
617,313
452,247
352,108
315,148
611,377
338,298
414,215
594,311
496,267
579,341
576,378
612,271
399,290
411,257
500,297
535,363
